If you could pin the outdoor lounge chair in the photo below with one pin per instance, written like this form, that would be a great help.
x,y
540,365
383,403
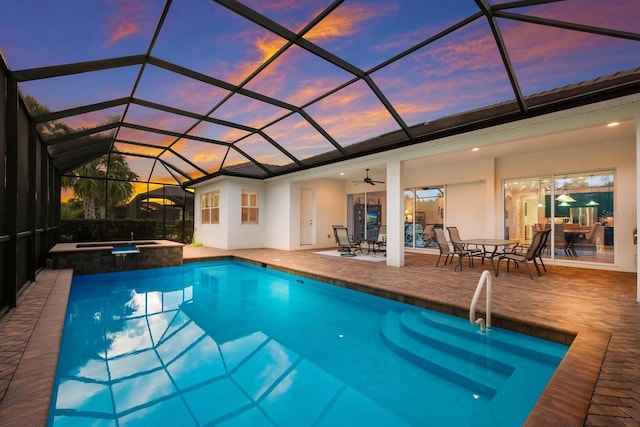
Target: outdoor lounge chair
x,y
346,245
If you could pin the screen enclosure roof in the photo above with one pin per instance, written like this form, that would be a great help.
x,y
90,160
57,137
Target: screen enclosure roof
x,y
187,90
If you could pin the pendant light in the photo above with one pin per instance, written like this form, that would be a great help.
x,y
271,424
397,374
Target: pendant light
x,y
565,197
591,202
540,203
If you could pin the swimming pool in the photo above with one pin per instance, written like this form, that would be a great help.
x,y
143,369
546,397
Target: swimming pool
x,y
228,343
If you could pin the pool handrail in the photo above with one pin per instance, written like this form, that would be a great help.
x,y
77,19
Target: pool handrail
x,y
485,277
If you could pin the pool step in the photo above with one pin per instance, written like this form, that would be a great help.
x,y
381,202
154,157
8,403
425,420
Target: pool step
x,y
473,371
506,341
473,352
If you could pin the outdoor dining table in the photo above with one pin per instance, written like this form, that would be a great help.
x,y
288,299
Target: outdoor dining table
x,y
493,245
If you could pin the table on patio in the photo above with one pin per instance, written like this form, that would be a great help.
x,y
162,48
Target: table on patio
x,y
493,245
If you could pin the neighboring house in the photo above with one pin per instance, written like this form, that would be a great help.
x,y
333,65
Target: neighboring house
x,y
168,203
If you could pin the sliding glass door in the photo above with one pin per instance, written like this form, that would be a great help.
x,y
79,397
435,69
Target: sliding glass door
x,y
423,211
366,215
577,208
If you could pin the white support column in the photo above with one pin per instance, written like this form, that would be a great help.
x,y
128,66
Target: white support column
x,y
395,213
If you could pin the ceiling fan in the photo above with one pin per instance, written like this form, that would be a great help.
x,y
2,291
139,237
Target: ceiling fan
x,y
368,180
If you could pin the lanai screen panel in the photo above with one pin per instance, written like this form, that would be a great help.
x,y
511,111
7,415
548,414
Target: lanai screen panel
x,y
258,89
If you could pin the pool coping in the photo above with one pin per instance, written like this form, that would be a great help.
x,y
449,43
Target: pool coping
x,y
565,400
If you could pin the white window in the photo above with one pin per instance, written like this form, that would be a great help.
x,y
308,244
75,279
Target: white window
x,y
209,206
249,207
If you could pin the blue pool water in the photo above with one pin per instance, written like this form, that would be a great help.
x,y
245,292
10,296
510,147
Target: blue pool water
x,y
231,344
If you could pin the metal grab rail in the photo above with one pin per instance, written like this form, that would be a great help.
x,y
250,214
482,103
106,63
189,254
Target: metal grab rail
x,y
484,324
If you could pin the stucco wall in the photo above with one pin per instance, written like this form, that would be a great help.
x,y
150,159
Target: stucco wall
x,y
230,233
432,164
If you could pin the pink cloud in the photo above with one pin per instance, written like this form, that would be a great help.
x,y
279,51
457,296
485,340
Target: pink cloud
x,y
126,20
346,19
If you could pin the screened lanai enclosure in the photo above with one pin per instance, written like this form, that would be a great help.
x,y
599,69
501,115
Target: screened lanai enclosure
x,y
106,102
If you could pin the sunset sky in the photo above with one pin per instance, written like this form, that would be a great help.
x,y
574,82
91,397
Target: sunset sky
x,y
459,72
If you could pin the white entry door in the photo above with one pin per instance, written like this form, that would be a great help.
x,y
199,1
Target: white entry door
x,y
307,216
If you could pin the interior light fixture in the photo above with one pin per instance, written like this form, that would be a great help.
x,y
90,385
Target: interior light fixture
x,y
540,203
613,124
565,197
591,202
475,149
564,204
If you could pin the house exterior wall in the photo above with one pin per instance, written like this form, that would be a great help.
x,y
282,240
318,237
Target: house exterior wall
x,y
283,212
448,162
230,233
281,221
330,208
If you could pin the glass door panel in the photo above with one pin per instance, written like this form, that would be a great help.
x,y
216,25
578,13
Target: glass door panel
x,y
577,207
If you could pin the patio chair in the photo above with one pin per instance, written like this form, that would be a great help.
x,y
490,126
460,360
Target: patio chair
x,y
346,245
530,255
543,245
458,246
443,245
379,244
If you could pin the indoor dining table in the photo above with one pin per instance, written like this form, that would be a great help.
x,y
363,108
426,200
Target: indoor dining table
x,y
489,249
572,235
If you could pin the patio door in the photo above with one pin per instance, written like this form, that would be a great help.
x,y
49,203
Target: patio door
x,y
307,216
568,204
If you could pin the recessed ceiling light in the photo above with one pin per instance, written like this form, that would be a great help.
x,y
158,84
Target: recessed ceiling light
x,y
341,173
475,149
612,124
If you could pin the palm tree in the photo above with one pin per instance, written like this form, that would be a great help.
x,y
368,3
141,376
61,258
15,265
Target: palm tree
x,y
92,191
90,182
85,188
119,187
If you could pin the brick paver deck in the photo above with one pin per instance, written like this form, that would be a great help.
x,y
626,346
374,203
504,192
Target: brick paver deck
x,y
598,383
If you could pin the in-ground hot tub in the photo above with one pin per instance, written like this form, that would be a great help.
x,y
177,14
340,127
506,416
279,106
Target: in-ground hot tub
x,y
104,257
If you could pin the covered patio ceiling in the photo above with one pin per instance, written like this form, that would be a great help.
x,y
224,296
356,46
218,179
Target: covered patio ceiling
x,y
187,90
